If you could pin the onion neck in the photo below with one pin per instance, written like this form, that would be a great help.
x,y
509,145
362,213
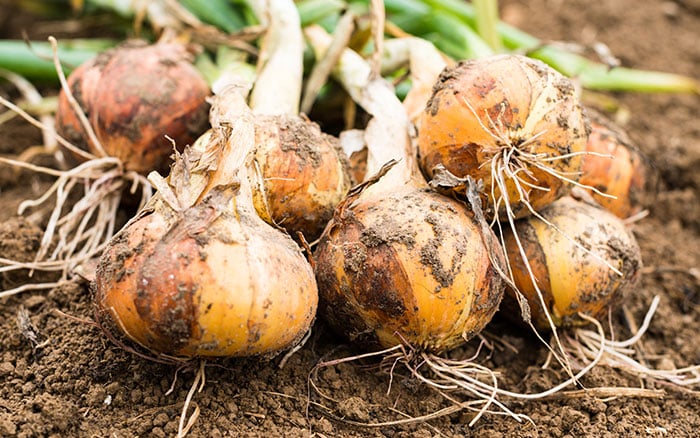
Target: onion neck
x,y
277,89
387,135
226,154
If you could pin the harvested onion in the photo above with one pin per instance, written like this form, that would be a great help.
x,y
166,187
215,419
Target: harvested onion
x,y
510,121
399,263
303,172
198,273
135,96
583,259
615,168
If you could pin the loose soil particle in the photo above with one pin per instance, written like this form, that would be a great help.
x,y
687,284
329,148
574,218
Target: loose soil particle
x,y
79,384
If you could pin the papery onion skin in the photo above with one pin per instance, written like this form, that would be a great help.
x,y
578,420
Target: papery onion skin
x,y
409,267
531,106
135,97
570,279
624,174
206,283
305,174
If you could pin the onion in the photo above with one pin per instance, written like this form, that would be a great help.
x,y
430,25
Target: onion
x,y
614,168
399,263
197,272
510,121
583,258
135,97
304,173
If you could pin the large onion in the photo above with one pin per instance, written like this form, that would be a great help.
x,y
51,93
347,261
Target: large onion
x,y
198,273
510,121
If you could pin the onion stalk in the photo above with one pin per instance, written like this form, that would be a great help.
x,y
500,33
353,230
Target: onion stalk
x,y
590,74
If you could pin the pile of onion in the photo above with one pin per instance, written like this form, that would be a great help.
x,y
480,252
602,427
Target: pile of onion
x,y
510,121
400,264
140,100
198,272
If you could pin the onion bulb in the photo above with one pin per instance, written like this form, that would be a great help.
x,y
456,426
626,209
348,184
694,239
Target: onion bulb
x,y
512,122
400,263
135,96
406,265
583,258
198,272
304,173
615,168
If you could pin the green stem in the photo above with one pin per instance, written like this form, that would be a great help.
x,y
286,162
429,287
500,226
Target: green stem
x,y
592,75
220,13
314,11
464,42
487,23
34,61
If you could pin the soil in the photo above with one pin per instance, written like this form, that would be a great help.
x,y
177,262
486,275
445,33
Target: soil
x,y
60,376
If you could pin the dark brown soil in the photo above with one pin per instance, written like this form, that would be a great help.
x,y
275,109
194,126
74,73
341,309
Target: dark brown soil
x,y
60,376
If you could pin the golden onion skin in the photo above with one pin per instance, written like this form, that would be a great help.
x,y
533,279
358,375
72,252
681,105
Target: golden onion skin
x,y
409,267
305,174
528,105
571,279
206,283
622,174
135,96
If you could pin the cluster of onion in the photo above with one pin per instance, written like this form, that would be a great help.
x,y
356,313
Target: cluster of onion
x,y
298,176
519,126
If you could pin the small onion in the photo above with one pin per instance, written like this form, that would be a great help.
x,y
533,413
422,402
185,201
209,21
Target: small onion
x,y
304,172
615,167
135,96
584,260
510,121
198,272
